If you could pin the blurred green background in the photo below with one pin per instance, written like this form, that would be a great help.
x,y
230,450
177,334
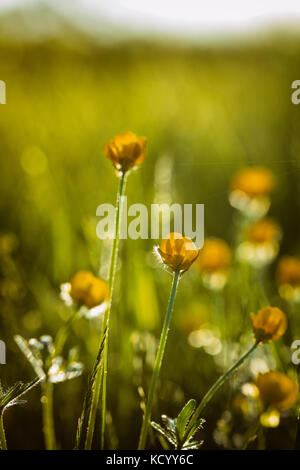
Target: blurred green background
x,y
206,111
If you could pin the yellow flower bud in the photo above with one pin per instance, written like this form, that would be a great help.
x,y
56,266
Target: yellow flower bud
x,y
88,290
288,271
97,293
263,231
250,191
277,390
288,278
214,256
126,151
261,243
178,252
269,324
80,284
253,181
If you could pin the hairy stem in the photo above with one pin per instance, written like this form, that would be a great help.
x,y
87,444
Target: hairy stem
x,y
215,387
63,333
48,420
157,365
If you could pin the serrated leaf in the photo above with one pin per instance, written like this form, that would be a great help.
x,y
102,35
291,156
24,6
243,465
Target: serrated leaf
x,y
165,432
36,363
13,395
184,417
198,425
192,445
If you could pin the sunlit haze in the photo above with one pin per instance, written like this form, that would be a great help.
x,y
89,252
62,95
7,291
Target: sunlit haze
x,y
176,16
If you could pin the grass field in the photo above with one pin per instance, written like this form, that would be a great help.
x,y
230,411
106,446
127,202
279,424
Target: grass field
x,y
206,112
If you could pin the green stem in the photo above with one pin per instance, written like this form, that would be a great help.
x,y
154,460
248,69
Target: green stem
x,y
48,421
250,434
3,445
221,380
157,365
101,379
63,333
297,440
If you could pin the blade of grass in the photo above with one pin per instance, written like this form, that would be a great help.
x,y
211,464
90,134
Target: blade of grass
x,y
101,381
84,421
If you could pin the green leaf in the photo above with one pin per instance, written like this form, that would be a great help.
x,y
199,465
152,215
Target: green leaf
x,y
198,425
13,395
83,422
184,417
36,363
192,445
163,442
165,432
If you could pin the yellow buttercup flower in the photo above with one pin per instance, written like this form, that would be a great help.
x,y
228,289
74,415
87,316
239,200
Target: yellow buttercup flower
x,y
178,252
261,243
288,271
97,293
288,278
80,284
277,390
214,256
126,151
253,181
213,263
269,324
88,290
250,190
263,231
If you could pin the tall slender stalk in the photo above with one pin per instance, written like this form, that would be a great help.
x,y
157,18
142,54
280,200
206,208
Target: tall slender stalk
x,y
297,440
101,378
158,362
48,421
3,445
63,333
250,434
215,387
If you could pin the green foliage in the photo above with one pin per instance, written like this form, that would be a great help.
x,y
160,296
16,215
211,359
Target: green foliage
x,y
13,395
173,429
206,111
42,356
83,422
